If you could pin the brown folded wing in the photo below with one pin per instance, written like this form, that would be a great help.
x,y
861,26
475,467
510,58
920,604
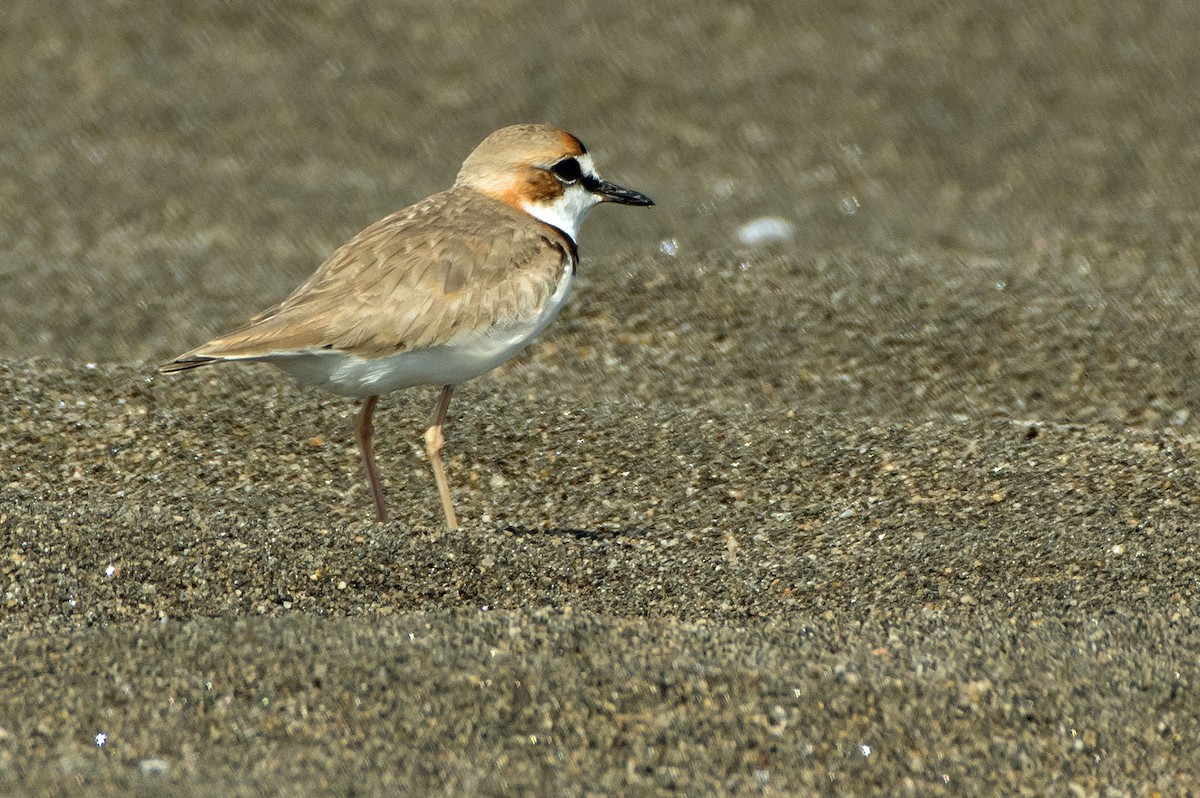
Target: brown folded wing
x,y
455,262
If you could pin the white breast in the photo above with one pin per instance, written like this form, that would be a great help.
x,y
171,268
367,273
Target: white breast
x,y
460,359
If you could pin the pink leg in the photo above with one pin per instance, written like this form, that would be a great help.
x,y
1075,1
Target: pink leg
x,y
433,447
363,430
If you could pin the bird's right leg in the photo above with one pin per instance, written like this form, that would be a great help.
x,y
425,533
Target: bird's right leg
x,y
363,430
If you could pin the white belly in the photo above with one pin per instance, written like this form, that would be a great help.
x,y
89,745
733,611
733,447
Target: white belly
x,y
460,359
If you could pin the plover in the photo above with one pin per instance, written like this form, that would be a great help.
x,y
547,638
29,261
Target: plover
x,y
438,293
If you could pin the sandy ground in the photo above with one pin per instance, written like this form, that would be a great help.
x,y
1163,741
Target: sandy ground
x,y
905,503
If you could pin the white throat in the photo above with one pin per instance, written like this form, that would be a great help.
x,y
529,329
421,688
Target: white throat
x,y
571,208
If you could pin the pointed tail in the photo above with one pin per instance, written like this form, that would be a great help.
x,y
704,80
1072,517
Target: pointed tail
x,y
187,363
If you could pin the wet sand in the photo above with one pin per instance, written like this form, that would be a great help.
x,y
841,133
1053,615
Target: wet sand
x,y
905,504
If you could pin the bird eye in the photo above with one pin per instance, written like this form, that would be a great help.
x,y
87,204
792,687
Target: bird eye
x,y
567,170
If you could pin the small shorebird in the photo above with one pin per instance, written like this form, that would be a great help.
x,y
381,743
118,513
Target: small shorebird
x,y
438,293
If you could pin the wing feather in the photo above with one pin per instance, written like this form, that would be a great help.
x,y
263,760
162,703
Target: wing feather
x,y
458,261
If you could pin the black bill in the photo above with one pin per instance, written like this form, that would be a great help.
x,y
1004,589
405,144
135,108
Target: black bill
x,y
611,192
